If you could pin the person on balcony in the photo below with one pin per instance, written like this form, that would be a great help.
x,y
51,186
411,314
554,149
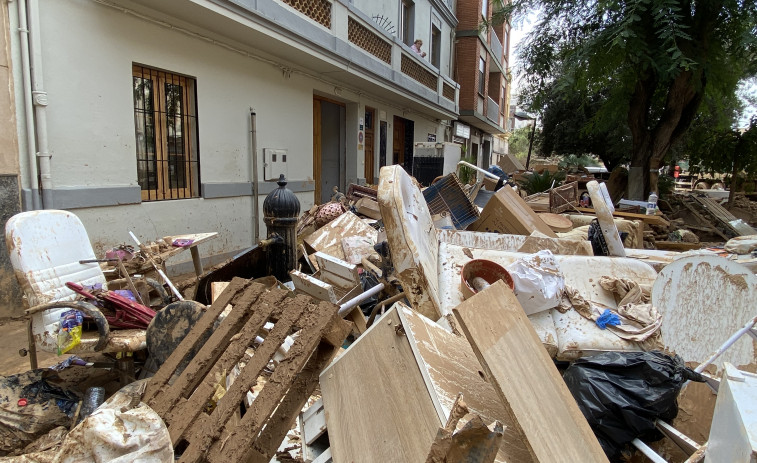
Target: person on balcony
x,y
417,48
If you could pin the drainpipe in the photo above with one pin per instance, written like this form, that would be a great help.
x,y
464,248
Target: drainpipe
x,y
23,34
254,155
39,97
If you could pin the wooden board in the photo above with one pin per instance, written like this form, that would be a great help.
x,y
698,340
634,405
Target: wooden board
x,y
377,406
649,219
525,377
605,219
558,223
328,239
506,212
449,367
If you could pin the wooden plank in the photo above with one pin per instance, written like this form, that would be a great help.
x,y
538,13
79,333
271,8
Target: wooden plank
x,y
206,323
328,239
313,287
506,212
364,391
649,219
526,378
450,367
337,271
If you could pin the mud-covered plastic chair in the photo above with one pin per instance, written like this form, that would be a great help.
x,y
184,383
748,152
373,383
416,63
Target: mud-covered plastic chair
x,y
45,248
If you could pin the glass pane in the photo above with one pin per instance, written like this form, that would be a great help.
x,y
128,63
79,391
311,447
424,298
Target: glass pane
x,y
144,126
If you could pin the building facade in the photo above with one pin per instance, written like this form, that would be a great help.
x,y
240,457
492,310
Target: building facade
x,y
482,69
178,116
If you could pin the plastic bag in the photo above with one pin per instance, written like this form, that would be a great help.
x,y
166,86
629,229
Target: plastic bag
x,y
69,331
621,394
538,282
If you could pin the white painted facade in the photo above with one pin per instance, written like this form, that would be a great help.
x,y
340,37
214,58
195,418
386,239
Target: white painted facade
x,y
88,49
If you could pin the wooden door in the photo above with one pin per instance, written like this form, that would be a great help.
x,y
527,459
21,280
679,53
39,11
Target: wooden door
x,y
398,141
369,158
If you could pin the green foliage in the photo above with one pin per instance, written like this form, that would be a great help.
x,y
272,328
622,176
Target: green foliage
x,y
518,142
467,175
536,183
573,163
665,185
640,68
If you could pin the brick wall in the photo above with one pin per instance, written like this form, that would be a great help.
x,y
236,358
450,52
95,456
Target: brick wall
x,y
467,50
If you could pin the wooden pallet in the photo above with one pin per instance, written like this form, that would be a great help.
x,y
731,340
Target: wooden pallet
x,y
221,435
723,216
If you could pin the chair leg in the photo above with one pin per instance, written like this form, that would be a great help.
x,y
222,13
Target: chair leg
x,y
32,351
125,368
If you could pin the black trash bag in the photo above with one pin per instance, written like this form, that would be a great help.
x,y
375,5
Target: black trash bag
x,y
621,394
368,281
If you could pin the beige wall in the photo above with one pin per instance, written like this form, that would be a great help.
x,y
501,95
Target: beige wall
x,y
8,141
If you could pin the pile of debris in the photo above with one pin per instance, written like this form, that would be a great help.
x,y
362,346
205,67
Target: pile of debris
x,y
446,324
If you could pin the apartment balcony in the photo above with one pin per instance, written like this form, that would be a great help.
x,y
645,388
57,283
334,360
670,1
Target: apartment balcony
x,y
496,46
329,40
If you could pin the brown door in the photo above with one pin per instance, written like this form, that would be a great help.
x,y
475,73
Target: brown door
x,y
398,141
369,159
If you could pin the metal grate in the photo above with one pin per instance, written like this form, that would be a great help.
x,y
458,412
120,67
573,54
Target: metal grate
x,y
165,123
368,41
447,196
448,91
317,10
414,70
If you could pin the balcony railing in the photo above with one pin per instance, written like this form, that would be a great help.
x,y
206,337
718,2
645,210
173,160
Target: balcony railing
x,y
496,46
492,110
348,23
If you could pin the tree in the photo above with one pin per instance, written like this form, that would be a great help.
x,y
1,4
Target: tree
x,y
656,59
724,149
569,128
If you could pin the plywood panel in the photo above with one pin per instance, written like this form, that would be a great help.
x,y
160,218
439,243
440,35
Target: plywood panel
x,y
507,212
377,406
450,367
525,377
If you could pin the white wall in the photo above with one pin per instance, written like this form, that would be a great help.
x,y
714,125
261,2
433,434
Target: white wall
x,y
88,52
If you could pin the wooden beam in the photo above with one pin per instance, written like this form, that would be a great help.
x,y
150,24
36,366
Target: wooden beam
x,y
527,380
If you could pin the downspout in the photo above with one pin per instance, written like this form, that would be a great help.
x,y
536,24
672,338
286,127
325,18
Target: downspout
x,y
23,34
254,155
40,105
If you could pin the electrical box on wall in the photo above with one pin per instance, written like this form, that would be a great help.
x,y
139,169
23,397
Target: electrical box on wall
x,y
274,163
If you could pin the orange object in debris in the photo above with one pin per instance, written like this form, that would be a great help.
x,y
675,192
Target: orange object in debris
x,y
482,269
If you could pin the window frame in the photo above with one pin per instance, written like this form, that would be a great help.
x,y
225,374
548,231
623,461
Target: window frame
x,y
168,185
406,22
481,76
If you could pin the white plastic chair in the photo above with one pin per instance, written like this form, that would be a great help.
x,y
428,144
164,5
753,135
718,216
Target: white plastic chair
x,y
45,248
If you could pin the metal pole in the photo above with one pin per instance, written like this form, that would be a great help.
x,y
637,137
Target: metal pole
x,y
531,143
254,154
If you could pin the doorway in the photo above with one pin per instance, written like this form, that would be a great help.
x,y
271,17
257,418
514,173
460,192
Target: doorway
x,y
402,142
329,153
369,158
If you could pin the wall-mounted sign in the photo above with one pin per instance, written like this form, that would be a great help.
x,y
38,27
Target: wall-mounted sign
x,y
462,130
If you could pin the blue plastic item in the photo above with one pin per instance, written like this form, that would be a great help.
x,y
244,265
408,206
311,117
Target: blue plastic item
x,y
608,318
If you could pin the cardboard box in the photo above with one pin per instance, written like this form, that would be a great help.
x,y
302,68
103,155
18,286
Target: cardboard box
x,y
506,212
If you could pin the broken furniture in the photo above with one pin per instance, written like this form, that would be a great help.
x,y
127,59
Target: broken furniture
x,y
429,269
328,239
704,299
726,223
45,248
388,394
219,435
336,281
506,212
534,395
446,196
145,267
733,434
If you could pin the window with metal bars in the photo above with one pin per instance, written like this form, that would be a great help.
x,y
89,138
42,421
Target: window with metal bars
x,y
165,122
